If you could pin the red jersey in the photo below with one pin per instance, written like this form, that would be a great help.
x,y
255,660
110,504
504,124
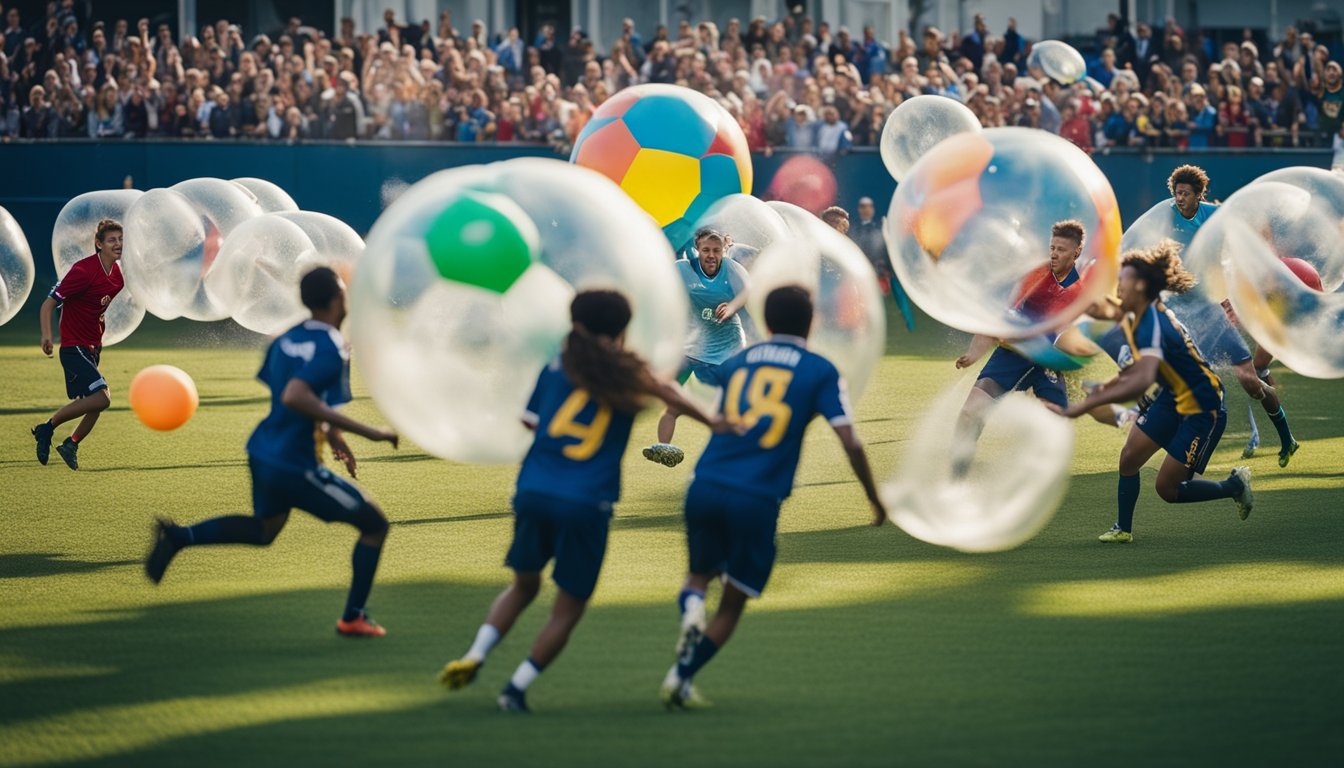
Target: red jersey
x,y
1042,295
84,293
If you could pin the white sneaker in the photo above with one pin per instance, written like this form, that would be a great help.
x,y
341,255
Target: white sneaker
x,y
1246,499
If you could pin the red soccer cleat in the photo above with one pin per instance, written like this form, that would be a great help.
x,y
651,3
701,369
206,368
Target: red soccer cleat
x,y
361,626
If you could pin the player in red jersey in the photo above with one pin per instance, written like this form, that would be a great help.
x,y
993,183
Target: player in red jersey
x,y
83,295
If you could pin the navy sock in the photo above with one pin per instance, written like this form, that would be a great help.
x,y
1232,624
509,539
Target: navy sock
x,y
704,651
1127,497
684,595
364,562
232,529
1280,421
1206,490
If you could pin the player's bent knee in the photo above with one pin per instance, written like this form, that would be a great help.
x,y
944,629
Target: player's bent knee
x,y
371,522
102,399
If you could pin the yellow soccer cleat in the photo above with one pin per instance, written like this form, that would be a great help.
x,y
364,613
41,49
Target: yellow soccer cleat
x,y
459,673
1116,536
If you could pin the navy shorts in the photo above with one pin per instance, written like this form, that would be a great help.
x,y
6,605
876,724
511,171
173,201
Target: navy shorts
x,y
81,371
731,532
1190,439
707,373
1012,371
277,490
1218,341
573,533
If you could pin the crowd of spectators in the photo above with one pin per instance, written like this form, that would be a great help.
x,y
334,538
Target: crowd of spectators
x,y
791,82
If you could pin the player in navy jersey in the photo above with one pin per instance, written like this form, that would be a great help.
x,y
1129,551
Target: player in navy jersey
x,y
582,409
1213,331
1187,417
308,372
772,391
83,295
716,286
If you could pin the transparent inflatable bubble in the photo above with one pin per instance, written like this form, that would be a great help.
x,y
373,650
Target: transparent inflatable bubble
x,y
1266,250
917,125
463,293
17,270
969,231
269,196
1057,60
256,275
72,239
987,494
849,326
172,239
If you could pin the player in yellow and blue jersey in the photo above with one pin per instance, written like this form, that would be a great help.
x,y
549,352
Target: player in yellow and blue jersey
x,y
772,391
1187,417
582,409
308,372
716,287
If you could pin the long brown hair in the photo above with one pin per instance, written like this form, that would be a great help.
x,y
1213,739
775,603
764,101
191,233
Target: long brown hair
x,y
593,358
1161,268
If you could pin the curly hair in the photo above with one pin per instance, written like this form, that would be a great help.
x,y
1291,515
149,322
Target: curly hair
x,y
1192,175
593,359
1161,268
1070,229
104,227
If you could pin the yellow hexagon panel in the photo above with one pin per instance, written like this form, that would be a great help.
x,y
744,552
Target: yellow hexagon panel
x,y
663,183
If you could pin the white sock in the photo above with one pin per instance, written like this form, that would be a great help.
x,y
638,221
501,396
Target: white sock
x,y
486,637
524,675
695,608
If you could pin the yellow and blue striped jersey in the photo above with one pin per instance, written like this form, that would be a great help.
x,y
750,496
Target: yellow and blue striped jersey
x,y
1156,332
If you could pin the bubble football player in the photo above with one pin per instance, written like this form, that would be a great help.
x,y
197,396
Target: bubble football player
x,y
715,286
83,295
582,410
773,391
1187,417
308,372
1213,332
1007,370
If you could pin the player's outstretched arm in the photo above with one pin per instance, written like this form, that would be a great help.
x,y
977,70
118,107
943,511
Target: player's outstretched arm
x,y
676,401
858,460
44,320
1128,385
300,397
978,347
341,449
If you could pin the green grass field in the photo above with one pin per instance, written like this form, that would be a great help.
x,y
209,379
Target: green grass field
x,y
1207,641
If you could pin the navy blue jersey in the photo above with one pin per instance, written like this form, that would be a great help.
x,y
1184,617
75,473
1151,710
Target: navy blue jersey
x,y
312,352
1182,370
773,389
576,453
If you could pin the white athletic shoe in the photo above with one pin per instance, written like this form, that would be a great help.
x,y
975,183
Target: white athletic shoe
x,y
1246,499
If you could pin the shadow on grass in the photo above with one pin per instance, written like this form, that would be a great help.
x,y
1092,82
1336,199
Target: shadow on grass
x,y
453,519
29,564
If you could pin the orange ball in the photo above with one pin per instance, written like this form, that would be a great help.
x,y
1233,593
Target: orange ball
x,y
163,397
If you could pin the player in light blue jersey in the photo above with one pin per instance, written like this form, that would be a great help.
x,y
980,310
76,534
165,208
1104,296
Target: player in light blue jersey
x,y
308,372
582,409
715,286
1187,417
772,391
1213,331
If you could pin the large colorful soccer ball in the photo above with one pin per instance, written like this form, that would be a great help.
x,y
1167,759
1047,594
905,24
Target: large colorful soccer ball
x,y
72,239
256,275
969,230
17,271
463,295
673,150
1259,250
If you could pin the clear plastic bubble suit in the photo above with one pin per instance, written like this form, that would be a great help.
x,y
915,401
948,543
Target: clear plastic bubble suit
x,y
256,275
969,230
1057,60
463,295
172,239
984,495
270,197
1240,253
917,125
17,270
72,239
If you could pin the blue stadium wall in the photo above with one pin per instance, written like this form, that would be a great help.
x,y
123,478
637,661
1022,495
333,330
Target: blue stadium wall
x,y
348,180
